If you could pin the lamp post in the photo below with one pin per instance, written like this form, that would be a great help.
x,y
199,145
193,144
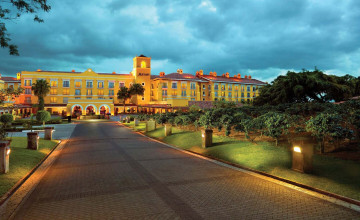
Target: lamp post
x,y
302,154
4,156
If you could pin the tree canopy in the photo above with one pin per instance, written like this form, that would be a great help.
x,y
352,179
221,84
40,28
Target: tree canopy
x,y
308,86
13,9
41,88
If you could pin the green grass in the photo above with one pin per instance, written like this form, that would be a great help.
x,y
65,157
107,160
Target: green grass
x,y
140,127
330,174
22,161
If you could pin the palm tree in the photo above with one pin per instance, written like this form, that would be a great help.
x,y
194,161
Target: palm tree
x,y
136,89
123,94
41,88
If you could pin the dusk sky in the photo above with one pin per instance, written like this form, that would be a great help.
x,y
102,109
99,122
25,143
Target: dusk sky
x,y
263,38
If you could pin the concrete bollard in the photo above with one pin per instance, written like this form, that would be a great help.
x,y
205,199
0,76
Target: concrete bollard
x,y
302,155
168,129
32,140
136,122
150,125
206,138
48,133
128,119
4,156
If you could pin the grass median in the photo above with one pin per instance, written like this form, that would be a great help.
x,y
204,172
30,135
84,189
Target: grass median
x,y
22,161
330,174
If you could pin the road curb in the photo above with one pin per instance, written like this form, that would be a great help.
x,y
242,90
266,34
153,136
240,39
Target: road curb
x,y
15,197
328,196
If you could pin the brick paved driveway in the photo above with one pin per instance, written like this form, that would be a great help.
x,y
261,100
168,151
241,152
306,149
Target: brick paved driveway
x,y
108,172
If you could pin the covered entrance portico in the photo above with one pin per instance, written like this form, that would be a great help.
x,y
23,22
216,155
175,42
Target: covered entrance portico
x,y
90,107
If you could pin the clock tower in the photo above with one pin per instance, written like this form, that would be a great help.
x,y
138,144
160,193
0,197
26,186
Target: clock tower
x,y
142,74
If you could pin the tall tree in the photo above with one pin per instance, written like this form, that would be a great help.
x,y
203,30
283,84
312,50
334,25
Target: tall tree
x,y
135,90
13,9
124,94
41,88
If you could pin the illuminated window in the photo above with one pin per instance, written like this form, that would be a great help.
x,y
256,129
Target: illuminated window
x,y
143,64
223,94
53,99
193,93
78,84
101,84
89,92
223,86
53,91
66,91
236,87
183,85
27,82
101,92
53,83
174,93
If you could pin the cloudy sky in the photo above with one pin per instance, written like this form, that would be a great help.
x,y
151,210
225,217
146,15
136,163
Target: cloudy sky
x,y
263,38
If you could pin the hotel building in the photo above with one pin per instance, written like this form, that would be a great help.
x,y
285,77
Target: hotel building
x,y
90,92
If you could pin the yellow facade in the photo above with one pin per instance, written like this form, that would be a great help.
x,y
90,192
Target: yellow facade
x,y
90,92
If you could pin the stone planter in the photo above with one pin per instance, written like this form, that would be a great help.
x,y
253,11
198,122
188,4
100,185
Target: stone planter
x,y
150,125
206,138
33,140
4,156
302,155
136,122
48,133
168,129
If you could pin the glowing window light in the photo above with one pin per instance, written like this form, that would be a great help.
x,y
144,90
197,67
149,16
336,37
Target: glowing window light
x,y
297,149
8,151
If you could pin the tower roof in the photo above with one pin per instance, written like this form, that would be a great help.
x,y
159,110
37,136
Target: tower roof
x,y
142,55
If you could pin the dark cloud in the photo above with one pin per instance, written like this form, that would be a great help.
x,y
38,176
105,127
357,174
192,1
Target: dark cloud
x,y
257,37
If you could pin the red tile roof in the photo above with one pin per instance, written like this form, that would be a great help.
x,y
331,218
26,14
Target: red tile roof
x,y
9,79
232,79
178,76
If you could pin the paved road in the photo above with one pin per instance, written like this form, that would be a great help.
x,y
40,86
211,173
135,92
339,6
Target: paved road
x,y
108,172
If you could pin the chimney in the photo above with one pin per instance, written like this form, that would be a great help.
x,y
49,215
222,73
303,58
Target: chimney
x,y
239,75
223,75
114,72
38,70
227,75
245,76
73,71
180,71
214,73
162,74
201,72
249,77
211,73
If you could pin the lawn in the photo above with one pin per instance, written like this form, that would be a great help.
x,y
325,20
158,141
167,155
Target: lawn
x,y
22,161
330,174
140,127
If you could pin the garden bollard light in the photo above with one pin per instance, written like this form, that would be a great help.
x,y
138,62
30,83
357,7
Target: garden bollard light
x,y
302,153
127,119
48,133
150,125
168,129
4,156
136,122
32,140
206,138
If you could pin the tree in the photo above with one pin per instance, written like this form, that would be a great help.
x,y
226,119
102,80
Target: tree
x,y
43,116
126,93
41,88
13,9
9,94
276,124
136,89
123,94
6,119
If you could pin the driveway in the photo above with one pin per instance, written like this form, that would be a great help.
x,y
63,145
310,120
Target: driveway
x,y
108,172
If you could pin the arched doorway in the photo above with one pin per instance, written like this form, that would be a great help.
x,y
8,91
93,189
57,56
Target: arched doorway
x,y
76,110
104,109
90,110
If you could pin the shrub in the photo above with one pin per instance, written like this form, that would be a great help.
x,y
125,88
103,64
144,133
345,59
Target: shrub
x,y
6,118
43,116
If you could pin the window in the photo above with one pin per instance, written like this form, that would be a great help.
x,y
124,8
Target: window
x,y
203,99
28,99
65,100
192,99
143,64
143,84
27,82
77,98
111,92
77,92
66,91
89,92
89,84
88,97
223,86
236,87
204,87
78,84
143,98
183,92
192,85
230,87
193,93
183,85
164,92
11,86
203,93
152,86
254,88
53,91
209,87
248,95
174,85
216,86
66,83
101,92
100,84
174,93
164,85
28,91
111,85
223,94
242,88
229,95
248,88
242,95
216,94
121,84
53,99
53,83
101,97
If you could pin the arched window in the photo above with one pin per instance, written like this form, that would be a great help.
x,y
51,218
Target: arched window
x,y
143,64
